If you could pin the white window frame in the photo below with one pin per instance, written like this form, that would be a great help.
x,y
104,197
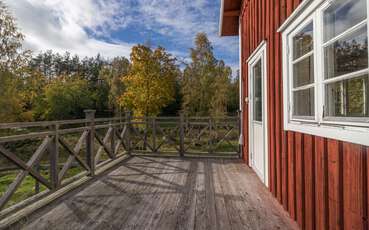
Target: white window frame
x,y
291,62
354,130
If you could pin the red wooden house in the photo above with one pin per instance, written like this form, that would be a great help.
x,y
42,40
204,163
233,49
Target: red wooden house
x,y
305,104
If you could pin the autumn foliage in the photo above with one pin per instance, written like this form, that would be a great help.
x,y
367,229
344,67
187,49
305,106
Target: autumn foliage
x,y
53,86
150,83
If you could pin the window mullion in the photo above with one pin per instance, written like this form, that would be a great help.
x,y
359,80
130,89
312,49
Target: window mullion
x,y
303,87
303,57
346,76
319,65
345,33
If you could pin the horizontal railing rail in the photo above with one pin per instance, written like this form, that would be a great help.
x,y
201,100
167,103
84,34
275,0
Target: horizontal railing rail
x,y
53,154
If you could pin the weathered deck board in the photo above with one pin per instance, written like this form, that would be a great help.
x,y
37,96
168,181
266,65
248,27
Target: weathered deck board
x,y
168,193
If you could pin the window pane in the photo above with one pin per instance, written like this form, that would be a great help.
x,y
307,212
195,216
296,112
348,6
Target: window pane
x,y
342,15
303,72
303,102
348,98
303,41
258,96
347,55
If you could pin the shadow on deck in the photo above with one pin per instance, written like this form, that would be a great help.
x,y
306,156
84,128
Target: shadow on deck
x,y
167,193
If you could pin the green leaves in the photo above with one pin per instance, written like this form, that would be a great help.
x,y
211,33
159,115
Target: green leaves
x,y
11,56
206,81
66,98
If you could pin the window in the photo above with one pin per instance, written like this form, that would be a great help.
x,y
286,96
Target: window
x,y
303,73
258,92
326,75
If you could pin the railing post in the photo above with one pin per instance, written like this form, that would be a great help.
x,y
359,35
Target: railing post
x,y
128,132
146,127
181,134
37,184
210,141
54,156
112,140
240,141
90,156
154,133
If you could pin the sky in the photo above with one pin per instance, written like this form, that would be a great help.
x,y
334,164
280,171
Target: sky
x,y
112,27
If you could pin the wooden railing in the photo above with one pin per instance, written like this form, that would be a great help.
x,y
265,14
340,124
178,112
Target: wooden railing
x,y
55,154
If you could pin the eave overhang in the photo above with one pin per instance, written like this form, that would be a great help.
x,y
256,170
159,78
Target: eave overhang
x,y
229,17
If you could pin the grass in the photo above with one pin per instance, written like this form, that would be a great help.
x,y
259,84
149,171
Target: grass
x,y
27,187
25,190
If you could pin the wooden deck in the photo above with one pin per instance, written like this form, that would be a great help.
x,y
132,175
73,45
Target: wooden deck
x,y
167,193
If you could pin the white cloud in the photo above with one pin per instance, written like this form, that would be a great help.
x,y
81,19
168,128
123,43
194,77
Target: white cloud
x,y
183,19
61,25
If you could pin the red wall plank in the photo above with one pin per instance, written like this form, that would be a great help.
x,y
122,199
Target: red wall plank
x,y
309,182
289,7
367,187
291,175
269,95
271,107
277,101
354,185
284,171
335,184
283,11
296,3
300,192
321,183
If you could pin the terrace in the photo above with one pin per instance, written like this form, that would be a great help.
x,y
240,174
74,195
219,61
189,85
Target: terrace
x,y
131,173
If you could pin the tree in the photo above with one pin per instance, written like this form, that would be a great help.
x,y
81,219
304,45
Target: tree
x,y
12,68
11,56
31,91
173,108
112,74
222,86
233,95
205,81
150,83
11,104
65,98
52,65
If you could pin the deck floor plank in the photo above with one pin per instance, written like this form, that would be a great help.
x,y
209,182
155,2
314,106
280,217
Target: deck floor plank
x,y
167,193
222,220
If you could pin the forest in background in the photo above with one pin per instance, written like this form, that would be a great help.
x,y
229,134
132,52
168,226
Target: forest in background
x,y
53,86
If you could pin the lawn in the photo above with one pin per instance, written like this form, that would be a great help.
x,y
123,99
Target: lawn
x,y
27,187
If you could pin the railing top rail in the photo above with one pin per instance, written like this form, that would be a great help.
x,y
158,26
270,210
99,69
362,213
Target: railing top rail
x,y
40,123
20,137
81,121
216,117
109,119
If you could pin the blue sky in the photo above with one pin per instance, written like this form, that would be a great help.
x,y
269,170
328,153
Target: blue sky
x,y
112,27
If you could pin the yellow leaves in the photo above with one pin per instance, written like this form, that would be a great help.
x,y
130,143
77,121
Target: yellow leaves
x,y
150,83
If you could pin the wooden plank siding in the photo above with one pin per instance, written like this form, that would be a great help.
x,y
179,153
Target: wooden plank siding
x,y
322,183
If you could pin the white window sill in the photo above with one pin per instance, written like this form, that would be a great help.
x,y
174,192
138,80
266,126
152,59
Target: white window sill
x,y
343,133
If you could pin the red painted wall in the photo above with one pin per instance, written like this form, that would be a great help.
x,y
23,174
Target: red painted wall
x,y
322,183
